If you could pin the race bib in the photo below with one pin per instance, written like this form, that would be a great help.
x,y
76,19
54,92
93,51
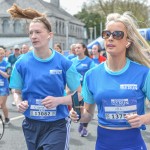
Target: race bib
x,y
117,109
40,111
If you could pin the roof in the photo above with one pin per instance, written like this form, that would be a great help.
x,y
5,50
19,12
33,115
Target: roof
x,y
9,42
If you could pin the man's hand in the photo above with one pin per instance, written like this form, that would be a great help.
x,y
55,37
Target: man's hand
x,y
22,106
51,102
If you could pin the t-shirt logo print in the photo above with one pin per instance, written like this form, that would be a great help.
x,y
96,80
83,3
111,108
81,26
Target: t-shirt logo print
x,y
55,71
128,86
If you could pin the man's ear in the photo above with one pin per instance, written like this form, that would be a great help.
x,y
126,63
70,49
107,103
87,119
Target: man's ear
x,y
50,35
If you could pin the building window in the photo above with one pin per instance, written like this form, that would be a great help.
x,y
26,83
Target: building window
x,y
63,28
5,26
60,28
17,27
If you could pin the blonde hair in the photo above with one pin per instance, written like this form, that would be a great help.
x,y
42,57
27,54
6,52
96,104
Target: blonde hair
x,y
29,13
139,46
72,46
2,50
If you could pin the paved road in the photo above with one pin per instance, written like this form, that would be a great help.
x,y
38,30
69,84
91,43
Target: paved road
x,y
14,140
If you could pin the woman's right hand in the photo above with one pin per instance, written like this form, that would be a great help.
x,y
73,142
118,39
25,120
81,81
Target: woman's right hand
x,y
22,106
73,115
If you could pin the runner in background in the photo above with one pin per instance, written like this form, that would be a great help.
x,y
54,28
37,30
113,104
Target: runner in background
x,y
96,56
12,59
25,49
72,52
5,70
58,48
83,63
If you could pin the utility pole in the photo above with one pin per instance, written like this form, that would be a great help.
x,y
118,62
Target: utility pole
x,y
101,28
91,33
95,32
67,33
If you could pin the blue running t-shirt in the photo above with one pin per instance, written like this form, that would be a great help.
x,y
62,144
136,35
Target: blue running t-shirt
x,y
4,65
38,78
83,65
117,93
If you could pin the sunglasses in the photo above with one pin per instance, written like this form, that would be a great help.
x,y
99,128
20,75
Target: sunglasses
x,y
118,35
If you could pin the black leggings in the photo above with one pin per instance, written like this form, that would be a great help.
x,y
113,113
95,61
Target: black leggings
x,y
85,124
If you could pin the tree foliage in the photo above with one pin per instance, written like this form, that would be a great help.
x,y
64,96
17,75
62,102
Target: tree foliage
x,y
91,19
95,11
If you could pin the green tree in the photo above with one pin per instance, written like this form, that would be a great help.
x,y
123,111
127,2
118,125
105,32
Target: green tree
x,y
95,11
139,9
90,19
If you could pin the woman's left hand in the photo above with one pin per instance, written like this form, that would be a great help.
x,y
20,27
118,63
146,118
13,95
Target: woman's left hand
x,y
50,102
134,120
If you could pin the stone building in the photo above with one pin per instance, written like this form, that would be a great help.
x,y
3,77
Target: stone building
x,y
66,28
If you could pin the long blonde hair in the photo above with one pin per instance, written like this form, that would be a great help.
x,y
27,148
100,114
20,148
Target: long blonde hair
x,y
29,13
139,46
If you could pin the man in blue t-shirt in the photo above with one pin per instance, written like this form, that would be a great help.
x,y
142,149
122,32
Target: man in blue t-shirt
x,y
12,59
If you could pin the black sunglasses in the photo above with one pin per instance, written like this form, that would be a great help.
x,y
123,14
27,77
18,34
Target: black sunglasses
x,y
118,35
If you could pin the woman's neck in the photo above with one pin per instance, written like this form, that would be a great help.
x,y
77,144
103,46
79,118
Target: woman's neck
x,y
81,56
116,64
96,56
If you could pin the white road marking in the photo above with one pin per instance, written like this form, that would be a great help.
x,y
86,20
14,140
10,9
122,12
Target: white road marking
x,y
18,117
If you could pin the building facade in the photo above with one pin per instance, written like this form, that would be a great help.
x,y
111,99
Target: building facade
x,y
66,28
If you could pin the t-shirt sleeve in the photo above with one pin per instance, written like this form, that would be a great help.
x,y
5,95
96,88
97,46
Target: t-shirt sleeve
x,y
73,78
87,95
146,87
92,64
16,81
8,65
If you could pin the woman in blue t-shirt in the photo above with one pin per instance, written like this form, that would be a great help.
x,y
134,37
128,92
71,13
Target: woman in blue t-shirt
x,y
83,63
119,87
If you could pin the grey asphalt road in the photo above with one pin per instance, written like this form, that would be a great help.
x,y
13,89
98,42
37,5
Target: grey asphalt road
x,y
14,140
